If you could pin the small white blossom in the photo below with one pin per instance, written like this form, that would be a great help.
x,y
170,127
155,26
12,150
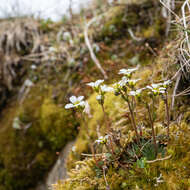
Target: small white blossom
x,y
75,102
95,84
105,88
102,139
157,88
66,36
132,82
16,123
136,92
33,67
28,83
74,148
121,83
166,83
127,72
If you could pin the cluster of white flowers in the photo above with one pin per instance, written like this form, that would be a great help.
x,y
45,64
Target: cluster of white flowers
x,y
101,89
159,88
156,89
118,88
121,83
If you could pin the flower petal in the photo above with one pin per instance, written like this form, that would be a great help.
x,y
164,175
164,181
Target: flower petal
x,y
106,88
98,82
73,99
68,106
92,84
80,98
81,104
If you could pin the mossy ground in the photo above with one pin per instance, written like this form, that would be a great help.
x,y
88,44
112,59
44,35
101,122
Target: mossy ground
x,y
173,173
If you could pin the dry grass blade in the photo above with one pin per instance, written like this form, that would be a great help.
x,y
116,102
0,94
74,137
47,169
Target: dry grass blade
x,y
184,46
18,37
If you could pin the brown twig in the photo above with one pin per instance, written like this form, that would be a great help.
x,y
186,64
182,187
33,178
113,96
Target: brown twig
x,y
104,174
159,159
92,54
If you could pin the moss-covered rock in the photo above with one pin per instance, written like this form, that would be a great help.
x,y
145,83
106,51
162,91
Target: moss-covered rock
x,y
29,152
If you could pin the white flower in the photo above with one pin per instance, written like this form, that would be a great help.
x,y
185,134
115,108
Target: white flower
x,y
105,88
96,83
74,148
28,83
127,72
132,82
166,83
121,83
33,67
66,36
136,92
16,123
157,88
102,140
71,61
76,102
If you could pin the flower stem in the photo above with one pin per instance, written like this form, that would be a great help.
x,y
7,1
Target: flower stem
x,y
106,119
133,120
88,135
168,115
86,125
152,126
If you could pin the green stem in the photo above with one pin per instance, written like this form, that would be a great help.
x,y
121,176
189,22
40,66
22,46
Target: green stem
x,y
133,120
168,115
106,119
86,125
152,126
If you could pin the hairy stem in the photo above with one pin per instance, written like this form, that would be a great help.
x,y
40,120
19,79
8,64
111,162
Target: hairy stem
x,y
133,120
106,119
168,115
152,126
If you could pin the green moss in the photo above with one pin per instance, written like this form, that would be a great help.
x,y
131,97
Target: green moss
x,y
28,153
175,171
